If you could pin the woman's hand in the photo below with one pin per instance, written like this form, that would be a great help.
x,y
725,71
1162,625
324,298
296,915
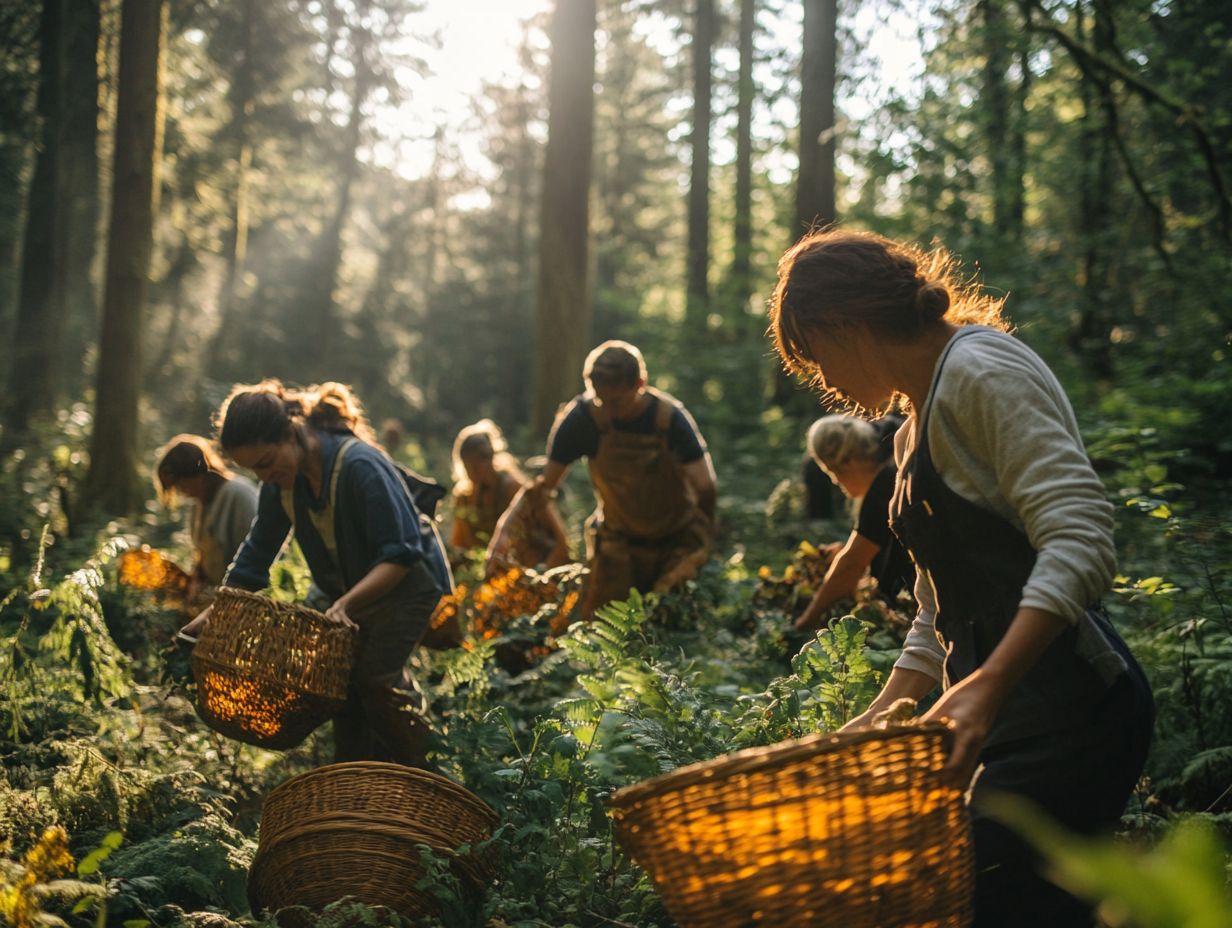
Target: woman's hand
x,y
337,613
194,628
970,707
863,720
902,684
808,621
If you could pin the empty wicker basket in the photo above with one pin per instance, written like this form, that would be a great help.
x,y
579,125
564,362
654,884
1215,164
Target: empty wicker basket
x,y
267,672
853,830
353,830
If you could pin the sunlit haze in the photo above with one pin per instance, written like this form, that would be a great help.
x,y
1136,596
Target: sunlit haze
x,y
478,42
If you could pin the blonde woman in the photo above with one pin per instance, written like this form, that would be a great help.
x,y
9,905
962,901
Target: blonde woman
x,y
486,479
858,455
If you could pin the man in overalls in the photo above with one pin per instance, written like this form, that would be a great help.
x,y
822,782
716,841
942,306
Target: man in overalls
x,y
651,472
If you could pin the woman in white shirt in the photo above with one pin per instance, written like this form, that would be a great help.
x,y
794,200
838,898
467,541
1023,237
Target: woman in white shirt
x,y
1012,537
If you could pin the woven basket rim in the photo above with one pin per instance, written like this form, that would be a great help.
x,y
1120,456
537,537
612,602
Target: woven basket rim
x,y
355,823
751,760
265,677
359,766
297,609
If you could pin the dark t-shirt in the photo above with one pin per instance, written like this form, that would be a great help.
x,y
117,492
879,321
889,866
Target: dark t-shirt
x,y
575,434
892,566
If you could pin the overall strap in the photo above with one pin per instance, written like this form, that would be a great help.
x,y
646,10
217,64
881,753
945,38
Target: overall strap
x,y
288,496
337,471
665,412
921,437
600,415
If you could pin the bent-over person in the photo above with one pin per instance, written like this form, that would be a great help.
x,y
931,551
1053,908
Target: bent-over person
x,y
652,476
224,503
376,560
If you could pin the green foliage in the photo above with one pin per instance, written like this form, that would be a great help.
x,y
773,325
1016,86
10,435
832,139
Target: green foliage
x,y
202,863
1180,883
42,629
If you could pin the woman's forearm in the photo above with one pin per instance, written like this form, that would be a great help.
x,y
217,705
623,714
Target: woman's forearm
x,y
903,684
841,579
1025,641
376,583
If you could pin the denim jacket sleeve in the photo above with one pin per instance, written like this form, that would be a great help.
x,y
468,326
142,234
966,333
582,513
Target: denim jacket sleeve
x,y
383,511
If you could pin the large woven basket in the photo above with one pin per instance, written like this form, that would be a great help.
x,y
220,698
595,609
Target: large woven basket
x,y
269,673
854,830
353,830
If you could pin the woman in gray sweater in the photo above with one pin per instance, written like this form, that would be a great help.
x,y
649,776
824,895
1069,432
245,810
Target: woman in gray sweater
x,y
1012,537
224,503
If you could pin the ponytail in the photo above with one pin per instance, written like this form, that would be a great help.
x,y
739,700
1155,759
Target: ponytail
x,y
264,413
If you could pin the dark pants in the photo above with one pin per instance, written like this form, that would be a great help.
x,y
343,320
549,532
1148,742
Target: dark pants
x,y
383,715
1082,779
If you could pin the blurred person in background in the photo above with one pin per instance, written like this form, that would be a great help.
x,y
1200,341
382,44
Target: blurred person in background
x,y
651,472
224,504
858,456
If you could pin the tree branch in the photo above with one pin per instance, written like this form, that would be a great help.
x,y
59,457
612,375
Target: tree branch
x,y
1186,114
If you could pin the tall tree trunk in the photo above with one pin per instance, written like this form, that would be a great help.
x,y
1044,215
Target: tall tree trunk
x,y
242,97
78,199
1089,338
815,182
1001,123
562,326
1016,187
742,246
61,217
698,290
436,206
321,326
113,483
39,306
815,185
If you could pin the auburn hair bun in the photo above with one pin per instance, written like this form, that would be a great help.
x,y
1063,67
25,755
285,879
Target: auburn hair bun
x,y
932,299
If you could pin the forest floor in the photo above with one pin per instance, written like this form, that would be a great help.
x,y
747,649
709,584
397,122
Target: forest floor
x,y
98,735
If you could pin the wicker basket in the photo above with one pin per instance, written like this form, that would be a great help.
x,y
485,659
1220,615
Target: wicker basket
x,y
268,673
352,830
146,569
444,631
853,830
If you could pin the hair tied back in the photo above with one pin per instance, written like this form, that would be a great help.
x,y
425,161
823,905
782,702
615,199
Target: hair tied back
x,y
932,299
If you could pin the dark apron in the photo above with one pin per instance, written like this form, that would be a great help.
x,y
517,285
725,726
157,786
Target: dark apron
x,y
1069,737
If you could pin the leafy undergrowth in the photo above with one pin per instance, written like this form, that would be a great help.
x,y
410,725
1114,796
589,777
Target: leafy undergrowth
x,y
103,757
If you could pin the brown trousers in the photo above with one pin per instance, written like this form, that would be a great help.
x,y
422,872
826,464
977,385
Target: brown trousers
x,y
619,563
382,718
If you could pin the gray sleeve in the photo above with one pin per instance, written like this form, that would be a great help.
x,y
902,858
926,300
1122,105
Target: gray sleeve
x,y
234,508
1003,433
921,649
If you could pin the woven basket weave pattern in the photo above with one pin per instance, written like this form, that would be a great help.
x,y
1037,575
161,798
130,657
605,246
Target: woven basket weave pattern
x,y
268,673
851,830
384,792
352,830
